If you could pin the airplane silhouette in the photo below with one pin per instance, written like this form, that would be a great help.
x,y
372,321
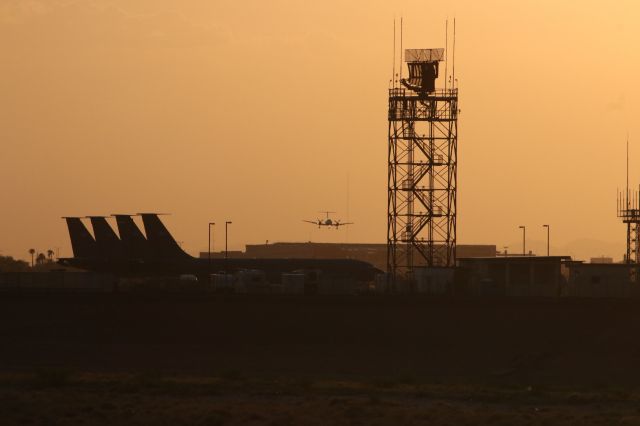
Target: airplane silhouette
x,y
328,221
156,253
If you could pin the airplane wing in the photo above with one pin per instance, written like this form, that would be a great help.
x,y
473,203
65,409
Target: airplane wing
x,y
344,223
311,221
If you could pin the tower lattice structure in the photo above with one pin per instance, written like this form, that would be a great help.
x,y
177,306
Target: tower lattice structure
x,y
629,212
422,169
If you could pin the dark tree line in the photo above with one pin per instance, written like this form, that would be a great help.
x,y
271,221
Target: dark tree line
x,y
9,264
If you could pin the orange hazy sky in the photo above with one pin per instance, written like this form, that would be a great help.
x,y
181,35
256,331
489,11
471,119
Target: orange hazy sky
x,y
260,112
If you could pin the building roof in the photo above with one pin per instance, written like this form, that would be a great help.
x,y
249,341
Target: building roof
x,y
514,258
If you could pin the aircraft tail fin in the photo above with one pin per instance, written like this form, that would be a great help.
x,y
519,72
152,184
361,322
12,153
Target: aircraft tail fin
x,y
134,243
82,242
109,245
161,242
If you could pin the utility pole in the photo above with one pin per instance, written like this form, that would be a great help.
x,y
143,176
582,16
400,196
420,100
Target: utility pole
x,y
524,239
226,243
210,225
548,234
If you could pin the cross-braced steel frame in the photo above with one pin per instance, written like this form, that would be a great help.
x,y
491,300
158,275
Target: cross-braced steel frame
x,y
422,180
629,212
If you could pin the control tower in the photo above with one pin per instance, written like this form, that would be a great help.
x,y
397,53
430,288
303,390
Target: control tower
x,y
422,168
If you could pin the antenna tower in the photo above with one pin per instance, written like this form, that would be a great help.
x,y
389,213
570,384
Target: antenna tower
x,y
422,169
629,211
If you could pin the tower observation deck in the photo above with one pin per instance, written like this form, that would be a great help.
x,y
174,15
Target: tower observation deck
x,y
422,168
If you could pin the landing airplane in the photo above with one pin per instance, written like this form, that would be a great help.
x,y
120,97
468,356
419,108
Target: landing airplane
x,y
328,221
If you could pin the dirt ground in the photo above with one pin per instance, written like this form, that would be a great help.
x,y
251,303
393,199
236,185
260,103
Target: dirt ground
x,y
204,359
59,398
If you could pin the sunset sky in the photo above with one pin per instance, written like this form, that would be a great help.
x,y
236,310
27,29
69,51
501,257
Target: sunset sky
x,y
267,112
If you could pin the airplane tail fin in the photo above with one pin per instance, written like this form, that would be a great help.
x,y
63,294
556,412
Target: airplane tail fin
x,y
82,242
134,243
109,245
161,243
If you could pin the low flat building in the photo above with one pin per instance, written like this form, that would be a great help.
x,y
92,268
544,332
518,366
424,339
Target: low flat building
x,y
376,254
601,259
231,254
618,280
532,276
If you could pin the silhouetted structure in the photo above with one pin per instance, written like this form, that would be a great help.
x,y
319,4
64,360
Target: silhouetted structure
x,y
513,276
134,243
629,212
616,280
374,253
158,254
422,168
628,209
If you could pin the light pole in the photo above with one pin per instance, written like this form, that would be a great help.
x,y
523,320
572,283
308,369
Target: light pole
x,y
226,240
524,239
210,225
226,247
548,233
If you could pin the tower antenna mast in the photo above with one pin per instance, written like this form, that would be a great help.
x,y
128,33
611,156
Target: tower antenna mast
x,y
393,74
629,212
446,50
453,71
401,53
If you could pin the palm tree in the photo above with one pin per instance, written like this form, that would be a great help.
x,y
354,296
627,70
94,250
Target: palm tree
x,y
50,255
41,258
32,252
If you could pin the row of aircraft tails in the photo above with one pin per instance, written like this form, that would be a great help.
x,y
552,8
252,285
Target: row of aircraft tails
x,y
156,253
131,243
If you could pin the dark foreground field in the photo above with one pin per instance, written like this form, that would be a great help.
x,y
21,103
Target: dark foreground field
x,y
193,359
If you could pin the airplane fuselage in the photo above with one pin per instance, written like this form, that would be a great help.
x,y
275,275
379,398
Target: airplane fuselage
x,y
157,254
273,268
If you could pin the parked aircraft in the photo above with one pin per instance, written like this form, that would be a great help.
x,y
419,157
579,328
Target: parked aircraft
x,y
156,253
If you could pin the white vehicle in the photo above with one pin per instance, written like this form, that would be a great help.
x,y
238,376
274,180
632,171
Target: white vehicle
x,y
188,278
